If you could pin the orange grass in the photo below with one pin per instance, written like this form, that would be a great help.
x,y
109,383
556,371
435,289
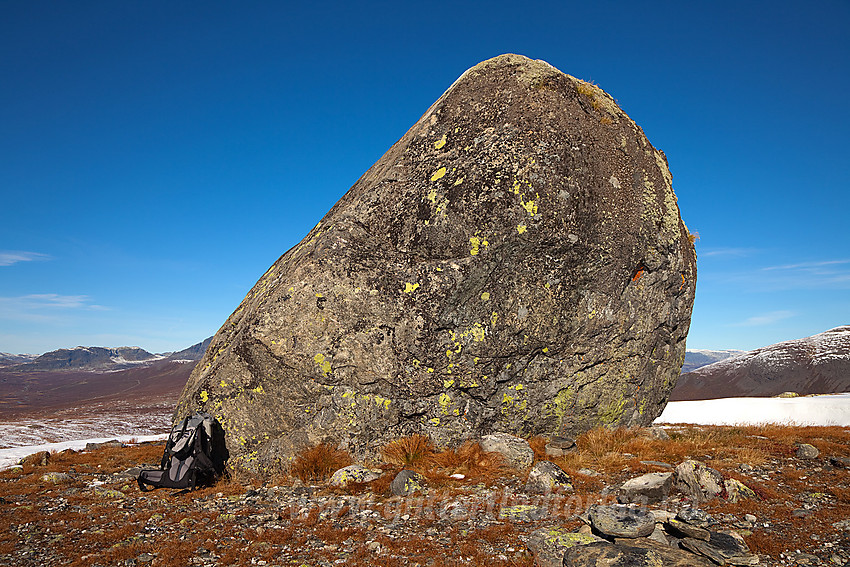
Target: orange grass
x,y
319,462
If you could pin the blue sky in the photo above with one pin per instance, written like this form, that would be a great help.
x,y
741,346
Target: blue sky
x,y
157,157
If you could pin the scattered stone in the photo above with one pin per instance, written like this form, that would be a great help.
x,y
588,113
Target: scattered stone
x,y
113,444
684,529
548,545
737,490
55,477
750,518
621,521
657,464
523,513
806,451
546,477
695,517
516,451
662,516
650,488
698,481
659,535
407,482
587,472
353,474
840,462
842,525
807,559
641,553
658,433
39,459
559,446
723,549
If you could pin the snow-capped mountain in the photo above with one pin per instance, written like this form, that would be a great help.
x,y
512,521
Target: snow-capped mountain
x,y
98,359
698,358
89,358
8,359
819,364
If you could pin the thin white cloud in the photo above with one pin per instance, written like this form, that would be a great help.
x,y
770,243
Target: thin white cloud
x,y
44,306
765,319
815,266
52,300
729,252
9,257
815,275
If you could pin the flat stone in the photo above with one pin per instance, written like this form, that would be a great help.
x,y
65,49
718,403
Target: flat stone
x,y
722,549
546,477
559,446
645,553
650,488
840,462
516,451
657,464
683,529
548,545
621,521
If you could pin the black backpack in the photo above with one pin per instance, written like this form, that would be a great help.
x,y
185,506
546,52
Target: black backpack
x,y
195,454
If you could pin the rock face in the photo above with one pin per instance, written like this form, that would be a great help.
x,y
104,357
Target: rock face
x,y
515,263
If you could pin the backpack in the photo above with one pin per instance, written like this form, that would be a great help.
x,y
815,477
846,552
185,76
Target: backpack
x,y
195,454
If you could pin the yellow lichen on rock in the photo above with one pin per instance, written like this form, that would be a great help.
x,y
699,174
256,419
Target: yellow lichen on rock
x,y
438,174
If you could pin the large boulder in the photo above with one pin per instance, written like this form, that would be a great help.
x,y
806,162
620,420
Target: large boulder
x,y
515,263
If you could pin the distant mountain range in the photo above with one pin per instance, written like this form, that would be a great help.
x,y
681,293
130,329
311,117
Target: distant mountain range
x,y
98,359
698,358
819,364
83,379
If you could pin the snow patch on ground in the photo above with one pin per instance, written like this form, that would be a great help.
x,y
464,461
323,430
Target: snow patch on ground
x,y
833,409
11,456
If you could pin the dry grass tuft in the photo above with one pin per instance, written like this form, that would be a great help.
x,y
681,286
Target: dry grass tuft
x,y
319,462
471,461
408,451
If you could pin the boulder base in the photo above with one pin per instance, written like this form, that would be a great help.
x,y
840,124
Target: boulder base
x,y
515,263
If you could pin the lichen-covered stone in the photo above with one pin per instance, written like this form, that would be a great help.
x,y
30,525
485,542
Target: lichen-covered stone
x,y
737,490
639,553
548,545
353,474
516,262
546,477
407,482
517,452
698,481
